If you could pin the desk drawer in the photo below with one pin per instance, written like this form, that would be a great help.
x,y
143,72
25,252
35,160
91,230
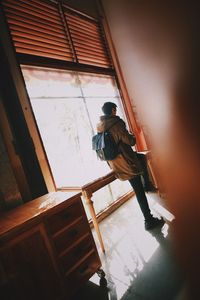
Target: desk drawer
x,y
83,272
76,253
70,235
64,217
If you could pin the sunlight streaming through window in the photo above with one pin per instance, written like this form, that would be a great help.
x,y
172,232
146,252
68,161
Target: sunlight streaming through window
x,y
67,106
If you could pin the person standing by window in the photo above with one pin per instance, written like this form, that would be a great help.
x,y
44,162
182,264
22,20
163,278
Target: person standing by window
x,y
126,165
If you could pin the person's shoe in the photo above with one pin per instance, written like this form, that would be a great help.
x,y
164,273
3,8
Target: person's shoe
x,y
154,222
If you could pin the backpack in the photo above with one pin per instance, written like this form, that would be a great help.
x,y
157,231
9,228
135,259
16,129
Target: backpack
x,y
104,145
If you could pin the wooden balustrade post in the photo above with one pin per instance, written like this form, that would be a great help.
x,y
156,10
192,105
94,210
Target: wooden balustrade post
x,y
88,195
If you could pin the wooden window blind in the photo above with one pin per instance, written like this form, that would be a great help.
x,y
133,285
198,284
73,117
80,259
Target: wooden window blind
x,y
36,28
48,28
88,40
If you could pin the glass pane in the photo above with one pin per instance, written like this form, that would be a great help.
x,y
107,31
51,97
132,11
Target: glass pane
x,y
107,195
119,188
66,134
102,199
44,82
94,85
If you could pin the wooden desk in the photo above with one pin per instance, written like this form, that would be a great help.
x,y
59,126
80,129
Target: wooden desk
x,y
47,250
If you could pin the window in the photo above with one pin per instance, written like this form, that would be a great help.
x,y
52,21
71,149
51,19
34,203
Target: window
x,y
67,106
68,74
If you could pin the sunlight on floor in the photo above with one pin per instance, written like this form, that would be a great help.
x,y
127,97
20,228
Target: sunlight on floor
x,y
128,246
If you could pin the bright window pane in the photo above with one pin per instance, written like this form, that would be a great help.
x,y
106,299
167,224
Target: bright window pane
x,y
67,106
105,196
94,85
50,83
66,134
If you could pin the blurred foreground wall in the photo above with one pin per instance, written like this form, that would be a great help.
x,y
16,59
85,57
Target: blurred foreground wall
x,y
157,44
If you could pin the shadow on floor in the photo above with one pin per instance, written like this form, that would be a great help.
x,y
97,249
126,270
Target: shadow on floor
x,y
160,278
91,291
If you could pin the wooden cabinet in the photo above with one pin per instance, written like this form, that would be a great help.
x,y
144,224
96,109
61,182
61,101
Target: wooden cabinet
x,y
25,263
46,249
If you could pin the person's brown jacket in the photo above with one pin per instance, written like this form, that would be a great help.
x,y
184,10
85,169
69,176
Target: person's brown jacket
x,y
126,164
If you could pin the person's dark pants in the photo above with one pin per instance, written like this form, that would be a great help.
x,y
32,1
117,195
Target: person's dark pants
x,y
143,161
136,183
